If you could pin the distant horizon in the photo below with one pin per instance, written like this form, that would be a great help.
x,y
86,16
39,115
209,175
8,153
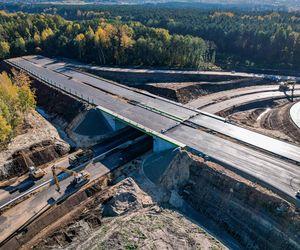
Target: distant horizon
x,y
281,5
253,2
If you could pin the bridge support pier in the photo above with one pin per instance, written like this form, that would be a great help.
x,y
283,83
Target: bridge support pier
x,y
161,145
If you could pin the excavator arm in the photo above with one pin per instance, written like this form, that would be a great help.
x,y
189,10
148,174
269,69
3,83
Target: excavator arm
x,y
73,173
55,178
78,177
34,172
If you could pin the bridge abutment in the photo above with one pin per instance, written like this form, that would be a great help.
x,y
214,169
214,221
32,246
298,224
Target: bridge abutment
x,y
161,145
113,122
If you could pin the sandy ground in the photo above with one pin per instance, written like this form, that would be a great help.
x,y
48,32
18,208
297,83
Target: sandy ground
x,y
38,130
272,121
130,219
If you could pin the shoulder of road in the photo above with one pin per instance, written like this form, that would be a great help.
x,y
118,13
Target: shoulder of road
x,y
245,152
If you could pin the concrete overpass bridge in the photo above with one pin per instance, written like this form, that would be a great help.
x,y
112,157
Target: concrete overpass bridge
x,y
270,162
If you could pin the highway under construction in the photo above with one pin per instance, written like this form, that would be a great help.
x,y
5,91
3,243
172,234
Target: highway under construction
x,y
141,125
269,161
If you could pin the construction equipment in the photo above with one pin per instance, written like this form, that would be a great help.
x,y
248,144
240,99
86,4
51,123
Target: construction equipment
x,y
35,173
285,86
79,180
81,157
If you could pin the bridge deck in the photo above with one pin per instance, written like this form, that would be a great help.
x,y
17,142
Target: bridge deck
x,y
159,115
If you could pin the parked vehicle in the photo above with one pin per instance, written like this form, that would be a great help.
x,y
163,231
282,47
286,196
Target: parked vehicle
x,y
82,157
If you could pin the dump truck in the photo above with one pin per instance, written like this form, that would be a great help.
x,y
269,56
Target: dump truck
x,y
81,157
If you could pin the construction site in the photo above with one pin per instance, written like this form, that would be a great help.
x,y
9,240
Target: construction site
x,y
117,158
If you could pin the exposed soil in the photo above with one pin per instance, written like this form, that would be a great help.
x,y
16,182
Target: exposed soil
x,y
253,215
40,143
179,87
127,218
134,79
72,116
272,120
138,214
185,92
62,107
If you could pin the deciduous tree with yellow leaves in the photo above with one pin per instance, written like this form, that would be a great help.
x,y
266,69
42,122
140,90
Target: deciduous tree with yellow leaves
x,y
16,100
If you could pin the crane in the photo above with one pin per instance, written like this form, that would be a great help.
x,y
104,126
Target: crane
x,y
79,180
34,172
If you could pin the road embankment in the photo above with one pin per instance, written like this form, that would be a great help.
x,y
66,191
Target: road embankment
x,y
254,216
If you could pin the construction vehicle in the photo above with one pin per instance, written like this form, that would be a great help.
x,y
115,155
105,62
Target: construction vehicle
x,y
79,180
35,173
81,157
285,86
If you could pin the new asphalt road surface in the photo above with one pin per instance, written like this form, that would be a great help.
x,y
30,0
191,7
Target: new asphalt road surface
x,y
180,123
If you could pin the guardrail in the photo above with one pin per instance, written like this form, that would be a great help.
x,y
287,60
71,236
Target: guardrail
x,y
62,176
157,97
91,101
51,83
141,127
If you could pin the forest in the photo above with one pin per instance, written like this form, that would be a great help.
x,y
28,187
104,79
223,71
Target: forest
x,y
16,100
102,41
253,39
267,40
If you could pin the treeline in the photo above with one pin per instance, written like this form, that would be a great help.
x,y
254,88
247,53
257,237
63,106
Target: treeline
x,y
255,39
251,39
259,39
16,100
104,42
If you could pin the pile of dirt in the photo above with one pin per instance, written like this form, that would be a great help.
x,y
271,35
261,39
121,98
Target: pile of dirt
x,y
152,228
40,144
251,214
134,222
248,118
127,198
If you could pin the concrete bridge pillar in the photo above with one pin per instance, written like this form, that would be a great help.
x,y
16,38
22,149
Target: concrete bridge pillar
x,y
113,122
161,145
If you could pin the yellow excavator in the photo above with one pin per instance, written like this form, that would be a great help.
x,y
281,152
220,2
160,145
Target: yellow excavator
x,y
35,173
79,180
